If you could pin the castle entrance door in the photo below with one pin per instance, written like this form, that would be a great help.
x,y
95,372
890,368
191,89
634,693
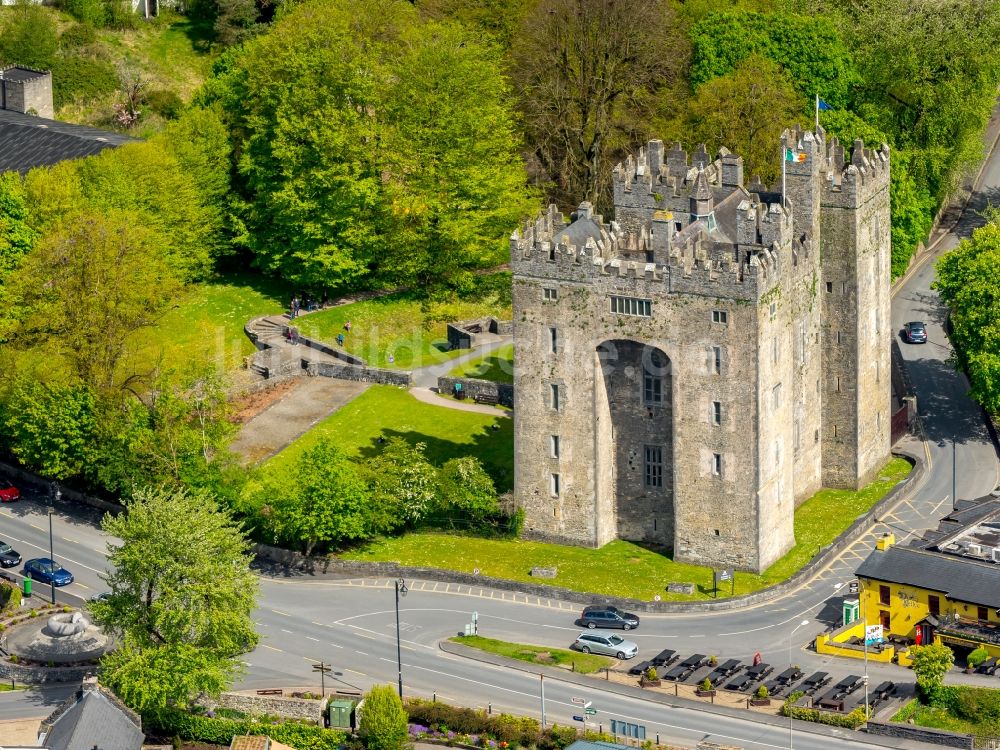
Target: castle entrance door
x,y
635,439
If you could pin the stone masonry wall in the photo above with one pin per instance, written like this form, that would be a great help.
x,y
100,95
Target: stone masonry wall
x,y
920,734
363,374
504,392
271,705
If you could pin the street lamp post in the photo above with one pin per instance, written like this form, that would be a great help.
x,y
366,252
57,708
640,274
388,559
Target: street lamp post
x,y
864,636
400,591
954,476
791,637
52,581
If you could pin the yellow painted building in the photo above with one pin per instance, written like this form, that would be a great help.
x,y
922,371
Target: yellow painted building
x,y
947,591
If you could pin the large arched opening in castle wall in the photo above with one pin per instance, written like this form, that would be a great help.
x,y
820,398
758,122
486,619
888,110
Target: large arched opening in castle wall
x,y
634,442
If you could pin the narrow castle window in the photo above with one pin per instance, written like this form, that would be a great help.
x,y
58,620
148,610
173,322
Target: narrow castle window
x,y
653,466
773,309
796,432
554,395
552,252
717,360
549,294
716,412
554,445
840,338
829,287
837,384
776,397
775,349
720,316
554,339
717,464
554,485
652,390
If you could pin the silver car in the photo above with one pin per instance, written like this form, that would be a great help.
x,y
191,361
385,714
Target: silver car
x,y
602,642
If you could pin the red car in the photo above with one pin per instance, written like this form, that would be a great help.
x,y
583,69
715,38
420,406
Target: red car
x,y
8,492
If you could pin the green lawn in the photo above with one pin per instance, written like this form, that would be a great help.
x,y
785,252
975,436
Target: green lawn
x,y
556,657
393,412
497,366
936,718
410,329
207,324
623,568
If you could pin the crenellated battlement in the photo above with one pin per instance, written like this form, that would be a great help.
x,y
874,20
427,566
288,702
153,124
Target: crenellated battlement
x,y
851,182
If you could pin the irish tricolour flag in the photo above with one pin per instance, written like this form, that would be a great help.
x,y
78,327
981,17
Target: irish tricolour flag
x,y
793,155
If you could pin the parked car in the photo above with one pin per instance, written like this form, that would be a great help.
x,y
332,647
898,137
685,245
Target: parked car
x,y
608,644
606,616
103,596
8,492
47,571
8,556
915,332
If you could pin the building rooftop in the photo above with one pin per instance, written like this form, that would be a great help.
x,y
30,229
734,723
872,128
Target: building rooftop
x,y
18,73
962,579
27,141
92,716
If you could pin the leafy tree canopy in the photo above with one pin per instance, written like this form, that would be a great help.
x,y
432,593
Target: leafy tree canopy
x,y
182,593
383,722
930,664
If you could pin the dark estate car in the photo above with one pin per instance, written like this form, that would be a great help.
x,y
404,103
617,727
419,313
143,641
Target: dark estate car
x,y
45,570
8,492
8,556
915,332
608,617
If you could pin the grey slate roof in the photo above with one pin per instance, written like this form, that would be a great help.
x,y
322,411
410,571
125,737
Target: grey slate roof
x,y
93,719
580,231
27,141
958,578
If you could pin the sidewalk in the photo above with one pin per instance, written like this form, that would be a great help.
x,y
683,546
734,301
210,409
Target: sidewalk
x,y
435,399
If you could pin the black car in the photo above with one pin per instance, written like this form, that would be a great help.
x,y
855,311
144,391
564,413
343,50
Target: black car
x,y
8,556
915,332
606,616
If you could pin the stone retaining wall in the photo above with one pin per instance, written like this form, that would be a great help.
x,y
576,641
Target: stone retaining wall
x,y
363,374
359,569
41,675
920,734
461,337
271,705
503,392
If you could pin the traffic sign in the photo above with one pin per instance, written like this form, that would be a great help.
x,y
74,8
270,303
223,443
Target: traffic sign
x,y
590,711
577,718
852,587
578,701
725,575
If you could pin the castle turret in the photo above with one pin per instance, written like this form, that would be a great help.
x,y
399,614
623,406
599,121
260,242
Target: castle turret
x,y
701,198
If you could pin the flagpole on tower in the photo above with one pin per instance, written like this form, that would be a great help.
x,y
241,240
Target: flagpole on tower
x,y
817,112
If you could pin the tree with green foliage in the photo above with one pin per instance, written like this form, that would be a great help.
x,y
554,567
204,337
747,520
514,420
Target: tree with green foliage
x,y
586,71
745,111
383,721
181,598
466,493
86,288
50,426
325,500
930,664
453,176
968,280
28,36
500,19
402,482
808,48
16,233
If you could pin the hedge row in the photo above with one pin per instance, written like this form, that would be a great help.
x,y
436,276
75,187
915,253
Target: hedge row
x,y
980,705
852,720
176,723
10,597
514,730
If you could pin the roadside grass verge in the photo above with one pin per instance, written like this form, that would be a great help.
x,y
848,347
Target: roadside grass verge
x,y
388,411
627,569
406,326
497,366
936,718
551,657
206,325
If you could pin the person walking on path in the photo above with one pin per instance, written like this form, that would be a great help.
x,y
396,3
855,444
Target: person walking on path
x,y
294,308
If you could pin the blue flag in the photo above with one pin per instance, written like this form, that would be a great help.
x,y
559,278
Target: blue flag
x,y
823,106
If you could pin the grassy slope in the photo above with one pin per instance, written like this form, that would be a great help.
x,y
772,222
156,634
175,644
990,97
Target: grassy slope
x,y
583,663
936,718
414,332
390,411
627,569
497,366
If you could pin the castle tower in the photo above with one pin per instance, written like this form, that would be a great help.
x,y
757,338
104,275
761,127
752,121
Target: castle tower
x,y
26,90
671,363
855,231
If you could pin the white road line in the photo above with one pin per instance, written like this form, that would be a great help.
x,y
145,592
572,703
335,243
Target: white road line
x,y
286,631
312,639
361,652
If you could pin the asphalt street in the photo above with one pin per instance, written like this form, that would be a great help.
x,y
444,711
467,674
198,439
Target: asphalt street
x,y
351,624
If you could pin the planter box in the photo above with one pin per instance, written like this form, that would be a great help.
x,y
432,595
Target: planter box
x,y
643,682
704,693
760,701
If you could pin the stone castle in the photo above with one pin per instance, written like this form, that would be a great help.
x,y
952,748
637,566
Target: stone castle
x,y
691,371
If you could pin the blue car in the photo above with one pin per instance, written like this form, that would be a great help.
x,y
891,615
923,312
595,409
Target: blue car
x,y
45,570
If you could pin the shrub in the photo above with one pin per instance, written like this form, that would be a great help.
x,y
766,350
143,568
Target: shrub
x,y
165,102
706,684
853,720
383,721
81,78
177,723
713,661
977,657
762,692
89,12
78,35
10,597
651,673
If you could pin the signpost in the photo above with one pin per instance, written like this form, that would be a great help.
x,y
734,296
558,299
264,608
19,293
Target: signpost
x,y
590,711
852,588
323,669
720,576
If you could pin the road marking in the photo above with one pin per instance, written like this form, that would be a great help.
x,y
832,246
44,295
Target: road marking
x,y
354,671
360,652
335,645
279,612
272,648
286,631
697,635
312,639
324,624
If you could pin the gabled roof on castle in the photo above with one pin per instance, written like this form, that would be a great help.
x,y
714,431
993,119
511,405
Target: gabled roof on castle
x,y
92,716
27,141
